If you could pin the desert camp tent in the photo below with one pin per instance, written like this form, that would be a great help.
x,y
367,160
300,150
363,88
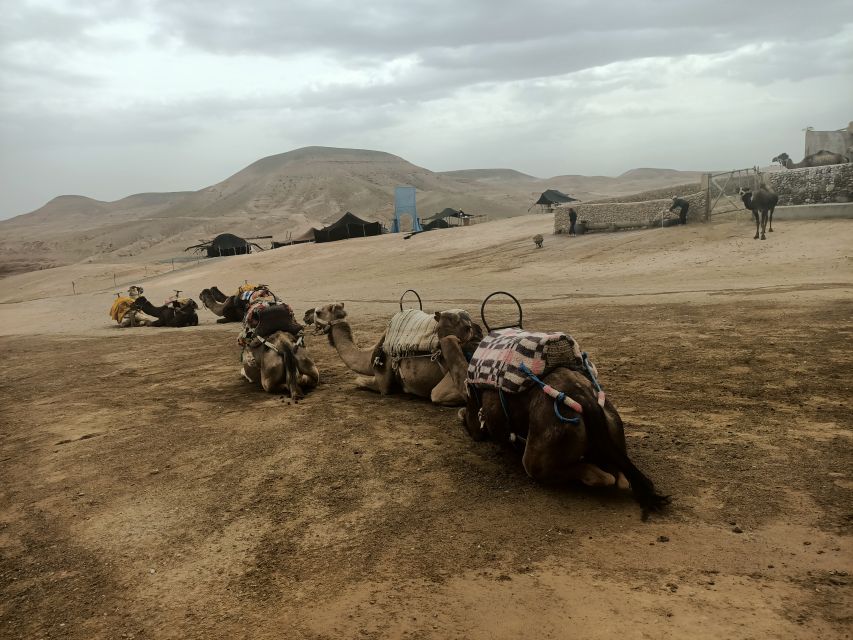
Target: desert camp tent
x,y
553,198
348,226
305,236
448,218
226,244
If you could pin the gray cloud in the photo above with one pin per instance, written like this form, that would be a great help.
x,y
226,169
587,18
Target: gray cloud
x,y
445,84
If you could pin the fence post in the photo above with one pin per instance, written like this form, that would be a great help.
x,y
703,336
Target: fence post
x,y
173,264
706,187
73,288
114,281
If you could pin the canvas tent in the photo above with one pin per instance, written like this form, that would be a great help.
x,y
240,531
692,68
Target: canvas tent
x,y
348,226
226,244
552,198
305,236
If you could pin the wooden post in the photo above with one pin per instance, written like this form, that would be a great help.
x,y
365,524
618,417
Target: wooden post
x,y
73,288
173,264
706,187
114,280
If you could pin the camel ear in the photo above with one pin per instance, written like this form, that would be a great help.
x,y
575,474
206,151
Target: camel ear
x,y
437,316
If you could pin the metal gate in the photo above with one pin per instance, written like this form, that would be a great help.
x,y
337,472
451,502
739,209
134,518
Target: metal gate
x,y
723,189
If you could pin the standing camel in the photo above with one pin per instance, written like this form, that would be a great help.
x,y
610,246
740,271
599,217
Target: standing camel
x,y
762,201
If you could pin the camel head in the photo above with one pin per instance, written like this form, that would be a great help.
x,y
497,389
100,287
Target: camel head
x,y
134,291
326,316
206,297
457,322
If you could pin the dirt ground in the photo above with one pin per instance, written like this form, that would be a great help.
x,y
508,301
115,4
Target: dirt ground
x,y
147,491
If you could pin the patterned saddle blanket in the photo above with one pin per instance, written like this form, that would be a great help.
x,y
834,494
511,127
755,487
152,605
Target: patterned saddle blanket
x,y
253,317
496,363
257,294
409,332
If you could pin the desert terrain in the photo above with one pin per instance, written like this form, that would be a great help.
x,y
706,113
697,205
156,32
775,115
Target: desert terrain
x,y
148,491
281,196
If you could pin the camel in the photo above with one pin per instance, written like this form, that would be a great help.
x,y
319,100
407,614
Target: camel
x,y
168,315
591,451
763,201
279,360
538,240
423,375
820,159
226,307
121,311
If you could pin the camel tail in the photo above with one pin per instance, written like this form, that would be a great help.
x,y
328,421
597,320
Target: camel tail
x,y
291,371
602,440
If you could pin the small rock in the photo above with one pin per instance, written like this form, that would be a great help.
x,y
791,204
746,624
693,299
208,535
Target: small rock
x,y
807,543
663,539
152,571
737,530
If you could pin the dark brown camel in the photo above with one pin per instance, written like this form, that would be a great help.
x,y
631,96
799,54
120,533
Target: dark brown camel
x,y
592,451
168,315
761,202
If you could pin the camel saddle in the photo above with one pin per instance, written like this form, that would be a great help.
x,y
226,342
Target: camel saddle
x,y
252,317
498,360
120,308
411,332
243,288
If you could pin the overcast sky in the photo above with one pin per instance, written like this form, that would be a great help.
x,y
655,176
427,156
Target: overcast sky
x,y
106,98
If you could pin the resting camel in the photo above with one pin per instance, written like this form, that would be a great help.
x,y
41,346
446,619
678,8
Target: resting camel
x,y
168,315
226,307
278,360
420,375
762,201
820,159
591,451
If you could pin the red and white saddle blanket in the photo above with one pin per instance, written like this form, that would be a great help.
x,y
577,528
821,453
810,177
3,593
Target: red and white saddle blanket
x,y
497,361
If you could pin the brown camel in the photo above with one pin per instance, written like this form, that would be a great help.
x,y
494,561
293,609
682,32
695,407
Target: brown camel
x,y
279,361
820,159
223,306
425,375
592,450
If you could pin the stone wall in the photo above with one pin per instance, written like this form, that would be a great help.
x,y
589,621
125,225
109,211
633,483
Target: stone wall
x,y
640,214
833,183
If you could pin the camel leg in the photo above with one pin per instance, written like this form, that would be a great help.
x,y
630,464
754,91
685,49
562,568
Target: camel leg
x,y
763,224
368,383
470,417
755,217
446,394
770,220
591,475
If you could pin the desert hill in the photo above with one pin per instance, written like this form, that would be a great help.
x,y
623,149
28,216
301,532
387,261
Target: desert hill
x,y
277,195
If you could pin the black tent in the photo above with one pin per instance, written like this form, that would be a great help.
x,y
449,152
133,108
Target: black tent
x,y
226,244
348,226
552,197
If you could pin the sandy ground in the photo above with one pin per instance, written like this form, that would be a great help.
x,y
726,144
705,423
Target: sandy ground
x,y
147,491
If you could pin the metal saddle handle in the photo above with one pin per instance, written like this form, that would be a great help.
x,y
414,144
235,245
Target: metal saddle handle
x,y
420,304
506,326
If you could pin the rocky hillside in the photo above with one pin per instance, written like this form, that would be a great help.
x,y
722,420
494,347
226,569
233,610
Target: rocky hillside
x,y
277,195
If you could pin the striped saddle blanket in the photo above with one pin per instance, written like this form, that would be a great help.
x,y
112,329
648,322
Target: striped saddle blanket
x,y
409,332
496,364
